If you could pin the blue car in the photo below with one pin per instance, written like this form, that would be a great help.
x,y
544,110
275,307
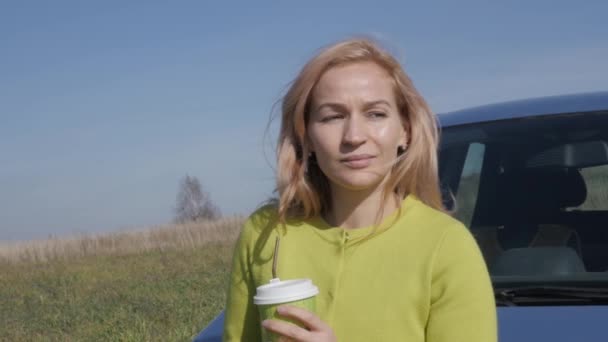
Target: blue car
x,y
530,180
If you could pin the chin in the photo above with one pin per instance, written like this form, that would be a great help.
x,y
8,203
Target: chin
x,y
357,183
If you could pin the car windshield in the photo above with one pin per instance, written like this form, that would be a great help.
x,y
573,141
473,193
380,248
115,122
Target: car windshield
x,y
534,193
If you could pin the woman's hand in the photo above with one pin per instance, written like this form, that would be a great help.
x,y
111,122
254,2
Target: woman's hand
x,y
317,330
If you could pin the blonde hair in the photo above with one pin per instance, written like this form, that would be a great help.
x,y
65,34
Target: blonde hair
x,y
303,190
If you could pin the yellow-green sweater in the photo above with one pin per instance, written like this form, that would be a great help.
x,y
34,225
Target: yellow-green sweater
x,y
422,279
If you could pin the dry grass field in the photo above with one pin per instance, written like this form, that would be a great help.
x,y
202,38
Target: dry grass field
x,y
160,284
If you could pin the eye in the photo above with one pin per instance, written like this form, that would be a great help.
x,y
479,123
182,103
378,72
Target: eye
x,y
376,115
331,117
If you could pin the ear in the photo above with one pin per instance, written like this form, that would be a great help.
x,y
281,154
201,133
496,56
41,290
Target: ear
x,y
404,138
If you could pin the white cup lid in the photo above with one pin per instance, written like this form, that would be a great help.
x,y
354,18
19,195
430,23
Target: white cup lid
x,y
278,291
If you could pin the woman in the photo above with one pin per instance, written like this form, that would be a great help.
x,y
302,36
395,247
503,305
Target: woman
x,y
360,213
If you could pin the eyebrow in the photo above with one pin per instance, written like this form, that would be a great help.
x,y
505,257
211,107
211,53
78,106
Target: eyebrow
x,y
339,106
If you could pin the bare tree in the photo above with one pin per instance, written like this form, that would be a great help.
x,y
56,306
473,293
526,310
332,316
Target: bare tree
x,y
194,204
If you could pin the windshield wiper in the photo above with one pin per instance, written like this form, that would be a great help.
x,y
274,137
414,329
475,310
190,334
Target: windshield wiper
x,y
550,295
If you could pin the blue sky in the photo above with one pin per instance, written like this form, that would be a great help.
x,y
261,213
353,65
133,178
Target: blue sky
x,y
104,106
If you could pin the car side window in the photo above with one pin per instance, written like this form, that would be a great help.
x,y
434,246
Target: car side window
x,y
596,181
468,186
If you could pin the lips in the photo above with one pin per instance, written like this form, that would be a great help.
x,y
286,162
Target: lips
x,y
359,161
357,157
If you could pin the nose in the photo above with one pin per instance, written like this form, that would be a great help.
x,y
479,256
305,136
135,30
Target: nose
x,y
354,131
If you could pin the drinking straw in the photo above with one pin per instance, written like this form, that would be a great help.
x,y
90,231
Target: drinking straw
x,y
275,257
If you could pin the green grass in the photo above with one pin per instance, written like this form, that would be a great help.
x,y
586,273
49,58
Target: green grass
x,y
149,296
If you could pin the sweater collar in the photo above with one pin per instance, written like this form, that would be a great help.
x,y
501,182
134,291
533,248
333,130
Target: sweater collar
x,y
343,235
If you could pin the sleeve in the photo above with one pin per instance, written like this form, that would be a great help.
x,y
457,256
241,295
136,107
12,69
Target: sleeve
x,y
462,298
241,320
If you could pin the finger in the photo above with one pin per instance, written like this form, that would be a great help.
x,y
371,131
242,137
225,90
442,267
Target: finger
x,y
286,329
309,319
285,339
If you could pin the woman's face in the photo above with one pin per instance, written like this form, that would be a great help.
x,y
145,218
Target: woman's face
x,y
355,127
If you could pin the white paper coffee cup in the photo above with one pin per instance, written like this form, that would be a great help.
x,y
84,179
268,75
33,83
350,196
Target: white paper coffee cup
x,y
285,291
297,292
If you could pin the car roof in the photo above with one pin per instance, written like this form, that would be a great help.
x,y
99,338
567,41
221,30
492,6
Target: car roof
x,y
561,104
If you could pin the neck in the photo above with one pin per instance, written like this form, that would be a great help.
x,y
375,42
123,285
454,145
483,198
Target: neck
x,y
356,209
